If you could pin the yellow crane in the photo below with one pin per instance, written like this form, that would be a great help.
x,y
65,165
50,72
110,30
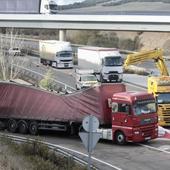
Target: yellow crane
x,y
156,55
159,86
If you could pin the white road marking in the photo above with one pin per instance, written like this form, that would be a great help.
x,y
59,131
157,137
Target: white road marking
x,y
80,153
165,147
153,148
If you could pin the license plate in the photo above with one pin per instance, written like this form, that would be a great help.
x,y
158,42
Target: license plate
x,y
147,138
66,65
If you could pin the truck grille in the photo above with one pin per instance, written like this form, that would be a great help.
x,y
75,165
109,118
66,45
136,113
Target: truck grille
x,y
147,131
165,113
167,119
113,72
65,61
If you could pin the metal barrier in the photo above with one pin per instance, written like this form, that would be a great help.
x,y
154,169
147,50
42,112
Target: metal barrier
x,y
62,150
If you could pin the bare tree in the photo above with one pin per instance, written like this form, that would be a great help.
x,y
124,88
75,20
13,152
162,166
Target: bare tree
x,y
10,61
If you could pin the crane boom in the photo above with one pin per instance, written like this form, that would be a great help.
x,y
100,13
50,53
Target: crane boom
x,y
156,55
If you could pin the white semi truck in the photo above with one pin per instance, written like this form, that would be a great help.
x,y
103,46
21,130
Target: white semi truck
x,y
105,61
55,53
28,7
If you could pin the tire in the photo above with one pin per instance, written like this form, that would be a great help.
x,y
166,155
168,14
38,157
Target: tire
x,y
33,128
41,61
120,80
2,125
12,125
101,78
120,138
23,127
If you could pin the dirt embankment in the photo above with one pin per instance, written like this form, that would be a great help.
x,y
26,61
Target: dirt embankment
x,y
150,40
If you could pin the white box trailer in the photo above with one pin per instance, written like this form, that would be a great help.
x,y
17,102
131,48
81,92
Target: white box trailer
x,y
55,53
28,6
105,61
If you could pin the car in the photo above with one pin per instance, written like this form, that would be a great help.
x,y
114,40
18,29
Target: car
x,y
15,51
85,79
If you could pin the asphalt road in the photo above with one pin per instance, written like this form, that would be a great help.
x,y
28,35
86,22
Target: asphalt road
x,y
124,8
67,76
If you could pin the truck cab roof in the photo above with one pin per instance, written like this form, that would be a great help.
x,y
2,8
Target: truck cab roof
x,y
84,71
132,96
98,48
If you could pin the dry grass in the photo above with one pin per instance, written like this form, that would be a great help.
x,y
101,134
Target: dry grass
x,y
33,156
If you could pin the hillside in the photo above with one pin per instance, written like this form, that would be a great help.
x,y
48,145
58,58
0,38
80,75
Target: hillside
x,y
149,40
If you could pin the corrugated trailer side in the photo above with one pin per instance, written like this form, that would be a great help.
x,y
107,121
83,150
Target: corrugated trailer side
x,y
20,6
18,102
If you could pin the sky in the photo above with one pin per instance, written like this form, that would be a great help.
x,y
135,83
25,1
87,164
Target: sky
x,y
66,2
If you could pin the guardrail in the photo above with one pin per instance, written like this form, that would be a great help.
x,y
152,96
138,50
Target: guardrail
x,y
66,87
56,148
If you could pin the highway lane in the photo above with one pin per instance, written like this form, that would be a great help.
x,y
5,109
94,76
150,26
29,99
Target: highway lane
x,y
111,12
67,76
123,8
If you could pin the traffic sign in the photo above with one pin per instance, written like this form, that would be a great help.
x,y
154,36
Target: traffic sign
x,y
90,123
90,145
90,137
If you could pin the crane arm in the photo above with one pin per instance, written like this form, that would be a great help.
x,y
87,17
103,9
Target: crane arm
x,y
156,55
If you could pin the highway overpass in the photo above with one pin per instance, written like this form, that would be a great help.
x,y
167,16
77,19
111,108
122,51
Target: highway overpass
x,y
87,22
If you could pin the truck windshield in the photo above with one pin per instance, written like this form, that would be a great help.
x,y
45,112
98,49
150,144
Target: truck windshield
x,y
65,54
53,6
88,78
144,107
112,61
163,98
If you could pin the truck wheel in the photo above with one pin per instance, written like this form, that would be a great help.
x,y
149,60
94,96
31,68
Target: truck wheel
x,y
120,138
12,125
2,125
23,127
77,87
33,128
101,78
41,61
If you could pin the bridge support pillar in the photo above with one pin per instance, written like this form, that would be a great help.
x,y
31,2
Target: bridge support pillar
x,y
62,35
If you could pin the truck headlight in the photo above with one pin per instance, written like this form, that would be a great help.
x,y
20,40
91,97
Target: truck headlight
x,y
136,132
160,118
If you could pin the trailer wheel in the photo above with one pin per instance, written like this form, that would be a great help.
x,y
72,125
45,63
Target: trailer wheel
x,y
23,127
120,138
12,125
33,128
2,125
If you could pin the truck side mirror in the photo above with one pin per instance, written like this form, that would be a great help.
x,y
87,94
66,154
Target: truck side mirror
x,y
109,100
128,110
114,107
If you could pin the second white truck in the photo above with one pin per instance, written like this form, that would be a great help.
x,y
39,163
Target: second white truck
x,y
105,61
55,53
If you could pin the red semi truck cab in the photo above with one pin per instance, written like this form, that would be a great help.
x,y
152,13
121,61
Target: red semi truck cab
x,y
134,117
